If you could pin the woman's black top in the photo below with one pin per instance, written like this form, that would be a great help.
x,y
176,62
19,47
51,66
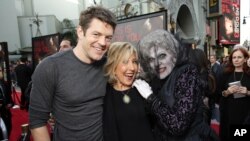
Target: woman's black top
x,y
125,121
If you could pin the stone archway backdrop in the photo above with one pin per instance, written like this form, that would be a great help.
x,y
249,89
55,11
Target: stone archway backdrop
x,y
182,13
187,18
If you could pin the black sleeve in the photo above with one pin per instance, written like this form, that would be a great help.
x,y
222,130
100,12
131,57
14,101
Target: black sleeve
x,y
177,119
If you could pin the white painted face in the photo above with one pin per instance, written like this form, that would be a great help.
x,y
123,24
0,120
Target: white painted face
x,y
162,61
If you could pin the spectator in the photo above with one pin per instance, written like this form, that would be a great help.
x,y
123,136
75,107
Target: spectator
x,y
236,97
208,83
65,45
23,76
215,66
224,62
5,105
67,41
217,72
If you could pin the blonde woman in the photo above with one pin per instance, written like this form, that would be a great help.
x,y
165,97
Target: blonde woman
x,y
125,117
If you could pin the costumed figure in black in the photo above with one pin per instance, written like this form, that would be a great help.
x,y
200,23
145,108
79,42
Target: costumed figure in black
x,y
176,99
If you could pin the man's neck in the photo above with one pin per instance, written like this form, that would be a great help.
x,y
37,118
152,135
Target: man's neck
x,y
82,55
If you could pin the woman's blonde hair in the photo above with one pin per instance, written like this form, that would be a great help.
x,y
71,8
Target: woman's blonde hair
x,y
118,52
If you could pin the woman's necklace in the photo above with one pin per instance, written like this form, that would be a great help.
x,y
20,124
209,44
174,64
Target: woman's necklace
x,y
240,78
125,98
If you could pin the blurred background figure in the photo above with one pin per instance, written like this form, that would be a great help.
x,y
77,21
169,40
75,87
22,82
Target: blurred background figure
x,y
53,45
208,82
5,114
224,61
68,41
216,70
65,45
23,76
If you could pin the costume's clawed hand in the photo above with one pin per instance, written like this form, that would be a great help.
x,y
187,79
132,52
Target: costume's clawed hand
x,y
143,87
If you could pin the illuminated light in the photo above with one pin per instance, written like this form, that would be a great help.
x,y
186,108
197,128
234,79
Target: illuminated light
x,y
73,1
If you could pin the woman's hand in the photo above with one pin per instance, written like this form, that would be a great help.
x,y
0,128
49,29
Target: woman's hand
x,y
242,90
143,87
233,89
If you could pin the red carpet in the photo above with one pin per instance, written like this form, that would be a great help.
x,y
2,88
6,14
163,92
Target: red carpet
x,y
16,96
216,128
19,117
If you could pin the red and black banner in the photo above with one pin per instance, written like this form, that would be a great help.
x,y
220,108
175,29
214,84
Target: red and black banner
x,y
229,24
